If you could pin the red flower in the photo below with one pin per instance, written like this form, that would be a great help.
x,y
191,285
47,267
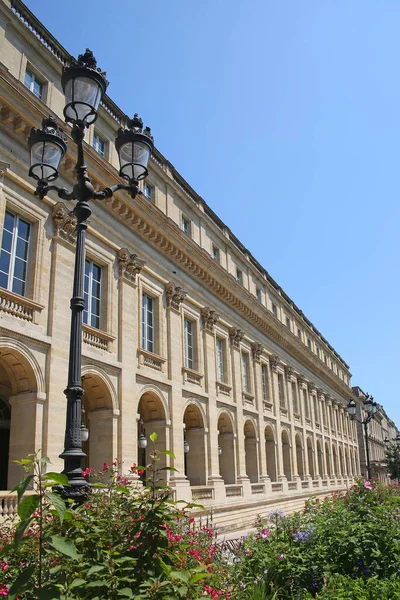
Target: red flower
x,y
105,467
87,471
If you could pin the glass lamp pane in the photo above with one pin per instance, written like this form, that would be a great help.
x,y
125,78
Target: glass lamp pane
x,y
45,159
82,97
133,157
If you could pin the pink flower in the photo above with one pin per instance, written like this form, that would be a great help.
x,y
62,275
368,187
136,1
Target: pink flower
x,y
280,557
265,533
87,471
367,485
105,467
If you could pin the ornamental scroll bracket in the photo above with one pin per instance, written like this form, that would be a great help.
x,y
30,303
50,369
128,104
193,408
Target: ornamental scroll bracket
x,y
300,380
209,317
129,265
235,336
289,373
64,222
175,295
274,362
256,349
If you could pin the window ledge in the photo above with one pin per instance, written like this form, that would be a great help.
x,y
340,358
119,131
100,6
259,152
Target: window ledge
x,y
149,359
248,398
192,376
18,306
97,337
223,388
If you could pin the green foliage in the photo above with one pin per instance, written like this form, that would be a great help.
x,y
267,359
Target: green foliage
x,y
392,459
356,535
125,541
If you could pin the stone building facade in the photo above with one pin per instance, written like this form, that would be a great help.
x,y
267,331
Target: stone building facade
x,y
379,429
186,333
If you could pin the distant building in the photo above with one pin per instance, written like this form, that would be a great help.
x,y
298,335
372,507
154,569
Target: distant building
x,y
185,333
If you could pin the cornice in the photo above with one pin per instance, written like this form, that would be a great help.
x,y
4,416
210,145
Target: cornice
x,y
161,232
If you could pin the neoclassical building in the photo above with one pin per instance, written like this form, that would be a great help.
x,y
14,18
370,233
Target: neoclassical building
x,y
185,333
380,428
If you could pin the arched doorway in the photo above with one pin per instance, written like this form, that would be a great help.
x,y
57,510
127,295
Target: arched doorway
x,y
250,448
310,458
152,419
5,423
299,456
22,398
195,458
226,442
270,452
101,446
320,459
328,460
287,465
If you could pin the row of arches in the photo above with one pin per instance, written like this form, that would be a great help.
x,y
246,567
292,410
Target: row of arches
x,y
23,422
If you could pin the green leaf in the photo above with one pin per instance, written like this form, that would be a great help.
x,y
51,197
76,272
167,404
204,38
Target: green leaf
x,y
20,530
49,592
167,453
45,460
21,581
97,583
168,469
58,478
22,486
27,506
127,592
58,504
95,569
181,575
154,436
76,582
64,545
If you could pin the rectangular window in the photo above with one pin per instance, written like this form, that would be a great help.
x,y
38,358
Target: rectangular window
x,y
220,346
33,84
306,404
148,191
258,294
14,254
309,344
274,309
316,410
299,333
264,377
99,145
281,390
188,344
294,399
92,294
148,337
215,253
288,322
245,372
185,225
239,275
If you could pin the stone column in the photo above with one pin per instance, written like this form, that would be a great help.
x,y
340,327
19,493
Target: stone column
x,y
129,305
26,431
263,476
274,363
175,295
209,318
235,337
289,374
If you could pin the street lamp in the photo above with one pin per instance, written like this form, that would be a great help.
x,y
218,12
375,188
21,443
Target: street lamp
x,y
370,408
83,85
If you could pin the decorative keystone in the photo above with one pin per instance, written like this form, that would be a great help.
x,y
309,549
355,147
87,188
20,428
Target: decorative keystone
x,y
289,373
209,317
235,335
274,362
64,222
256,349
175,295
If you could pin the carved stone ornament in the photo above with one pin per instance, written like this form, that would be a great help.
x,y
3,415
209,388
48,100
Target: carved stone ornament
x,y
289,372
312,388
274,362
129,265
235,335
209,317
3,169
300,380
175,295
256,349
64,222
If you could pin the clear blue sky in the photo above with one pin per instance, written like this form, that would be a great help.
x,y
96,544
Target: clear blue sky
x,y
284,115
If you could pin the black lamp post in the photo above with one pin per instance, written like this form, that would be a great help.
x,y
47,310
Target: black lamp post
x,y
84,85
370,408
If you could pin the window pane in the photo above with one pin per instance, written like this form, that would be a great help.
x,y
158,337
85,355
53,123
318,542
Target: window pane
x,y
7,240
5,262
18,287
85,315
20,269
21,250
3,280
